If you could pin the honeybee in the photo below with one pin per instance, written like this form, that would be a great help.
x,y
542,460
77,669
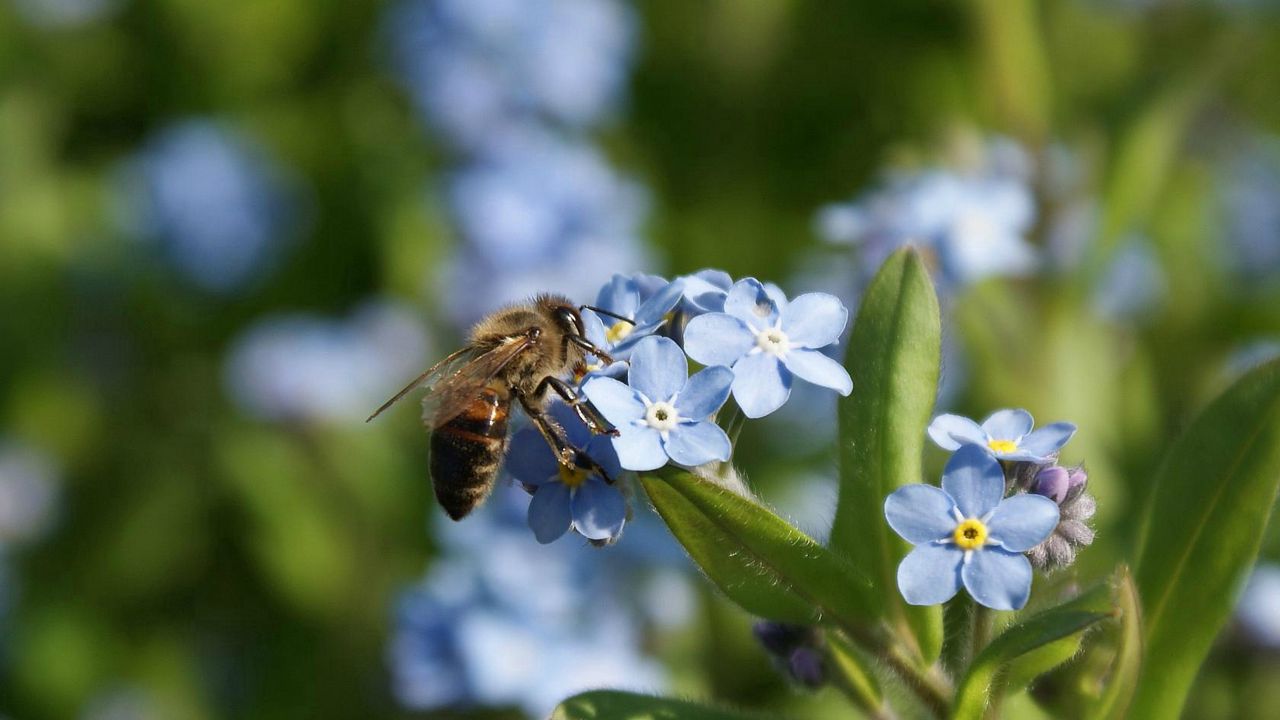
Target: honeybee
x,y
517,353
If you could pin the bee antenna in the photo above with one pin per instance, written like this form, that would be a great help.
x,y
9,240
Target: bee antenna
x,y
600,311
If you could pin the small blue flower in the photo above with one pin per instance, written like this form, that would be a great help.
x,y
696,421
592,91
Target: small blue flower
x,y
966,534
644,300
705,291
1006,435
767,340
565,499
664,413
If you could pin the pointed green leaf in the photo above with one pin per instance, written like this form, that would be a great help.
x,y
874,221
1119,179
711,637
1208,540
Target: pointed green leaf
x,y
1209,506
1123,678
755,557
615,705
1023,640
893,358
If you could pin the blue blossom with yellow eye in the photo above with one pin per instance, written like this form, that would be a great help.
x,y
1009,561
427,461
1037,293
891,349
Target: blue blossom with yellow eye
x,y
1006,435
662,413
967,533
768,341
564,499
643,304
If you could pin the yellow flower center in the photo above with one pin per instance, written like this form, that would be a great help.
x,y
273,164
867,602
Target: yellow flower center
x,y
572,478
1002,446
970,534
618,331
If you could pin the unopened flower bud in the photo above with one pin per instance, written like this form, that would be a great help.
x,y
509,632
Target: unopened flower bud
x,y
780,639
1053,482
807,667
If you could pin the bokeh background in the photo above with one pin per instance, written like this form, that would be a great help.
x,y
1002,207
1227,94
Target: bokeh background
x,y
229,230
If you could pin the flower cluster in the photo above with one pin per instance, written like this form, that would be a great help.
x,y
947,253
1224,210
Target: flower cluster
x,y
1004,506
754,343
215,204
973,221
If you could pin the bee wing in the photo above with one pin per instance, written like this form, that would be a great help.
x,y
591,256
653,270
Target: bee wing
x,y
447,399
433,376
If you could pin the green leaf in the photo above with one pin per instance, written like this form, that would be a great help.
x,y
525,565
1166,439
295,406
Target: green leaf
x,y
1023,640
893,358
1209,506
755,557
1123,680
614,705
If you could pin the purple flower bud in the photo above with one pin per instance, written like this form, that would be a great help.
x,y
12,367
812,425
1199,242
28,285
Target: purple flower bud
x,y
807,667
1077,480
1054,482
780,638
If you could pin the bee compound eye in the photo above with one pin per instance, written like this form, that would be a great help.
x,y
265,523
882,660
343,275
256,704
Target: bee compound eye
x,y
570,320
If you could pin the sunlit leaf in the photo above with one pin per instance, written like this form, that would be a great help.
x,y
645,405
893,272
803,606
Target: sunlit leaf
x,y
893,358
1209,505
1123,678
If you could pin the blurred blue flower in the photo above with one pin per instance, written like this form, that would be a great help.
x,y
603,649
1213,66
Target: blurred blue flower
x,y
1258,610
645,301
1133,283
967,533
1250,197
1250,355
973,224
475,66
29,481
664,413
538,212
767,340
61,14
307,368
220,209
1005,435
564,499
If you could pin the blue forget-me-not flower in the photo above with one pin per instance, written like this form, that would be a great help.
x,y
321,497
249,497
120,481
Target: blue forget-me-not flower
x,y
662,412
565,499
767,340
1006,435
644,302
967,533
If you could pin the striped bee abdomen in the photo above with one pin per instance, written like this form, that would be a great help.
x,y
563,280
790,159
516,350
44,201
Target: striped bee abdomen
x,y
467,451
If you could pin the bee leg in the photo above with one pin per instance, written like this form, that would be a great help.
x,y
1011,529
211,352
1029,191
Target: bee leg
x,y
583,407
551,432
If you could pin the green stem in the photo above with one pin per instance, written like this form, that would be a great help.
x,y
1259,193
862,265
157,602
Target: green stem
x,y
957,643
982,619
930,687
850,674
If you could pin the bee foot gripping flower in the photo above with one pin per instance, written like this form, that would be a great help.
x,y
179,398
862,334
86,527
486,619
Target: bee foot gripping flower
x,y
967,533
563,499
1067,488
769,341
663,413
1005,435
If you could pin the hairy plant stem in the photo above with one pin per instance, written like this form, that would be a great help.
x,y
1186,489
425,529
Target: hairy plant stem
x,y
930,686
849,673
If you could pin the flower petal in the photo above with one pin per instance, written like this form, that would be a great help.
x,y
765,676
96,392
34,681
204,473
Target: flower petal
x,y
600,449
621,295
599,510
705,290
1022,522
529,458
750,302
814,320
658,368
639,448
655,309
697,443
813,366
974,480
595,330
1008,424
717,339
1047,440
705,392
760,384
930,574
617,402
920,513
549,514
952,431
997,578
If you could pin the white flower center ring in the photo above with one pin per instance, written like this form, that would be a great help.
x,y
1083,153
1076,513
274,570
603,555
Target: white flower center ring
x,y
773,341
662,416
